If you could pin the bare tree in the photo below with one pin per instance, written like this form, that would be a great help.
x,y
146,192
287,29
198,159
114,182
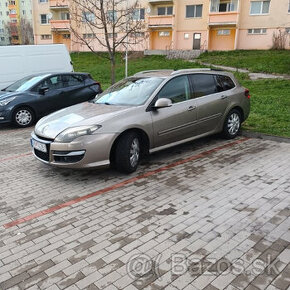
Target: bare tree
x,y
26,31
22,31
109,25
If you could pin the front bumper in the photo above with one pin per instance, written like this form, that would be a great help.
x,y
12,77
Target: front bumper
x,y
5,116
84,152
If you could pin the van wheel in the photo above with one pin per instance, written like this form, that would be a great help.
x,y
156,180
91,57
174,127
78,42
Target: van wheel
x,y
232,124
127,154
23,117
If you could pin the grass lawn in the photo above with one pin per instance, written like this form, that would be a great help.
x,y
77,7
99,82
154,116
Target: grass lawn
x,y
270,99
99,67
269,61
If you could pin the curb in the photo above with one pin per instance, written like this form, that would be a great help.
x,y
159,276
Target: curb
x,y
265,136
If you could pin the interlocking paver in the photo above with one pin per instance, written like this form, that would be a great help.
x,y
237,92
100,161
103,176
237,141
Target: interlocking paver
x,y
228,207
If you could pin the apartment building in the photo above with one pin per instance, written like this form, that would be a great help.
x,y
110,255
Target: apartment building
x,y
180,24
13,13
51,22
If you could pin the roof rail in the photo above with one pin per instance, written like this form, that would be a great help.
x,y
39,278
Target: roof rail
x,y
189,70
153,71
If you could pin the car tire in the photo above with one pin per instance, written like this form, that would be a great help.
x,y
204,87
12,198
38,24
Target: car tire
x,y
128,152
23,117
232,124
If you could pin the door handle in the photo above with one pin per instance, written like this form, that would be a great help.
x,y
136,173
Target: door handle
x,y
190,108
223,97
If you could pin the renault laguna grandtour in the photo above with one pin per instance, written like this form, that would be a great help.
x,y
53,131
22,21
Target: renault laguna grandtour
x,y
144,113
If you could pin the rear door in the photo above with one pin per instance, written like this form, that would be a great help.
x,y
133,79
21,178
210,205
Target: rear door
x,y
177,122
74,89
211,101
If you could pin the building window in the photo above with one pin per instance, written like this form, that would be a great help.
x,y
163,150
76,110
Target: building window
x,y
259,7
88,17
2,38
44,19
66,36
12,2
223,32
13,20
110,35
23,12
139,14
88,36
193,11
12,11
42,1
164,33
112,16
223,5
186,35
168,10
45,36
287,29
257,31
64,16
289,7
1,30
137,34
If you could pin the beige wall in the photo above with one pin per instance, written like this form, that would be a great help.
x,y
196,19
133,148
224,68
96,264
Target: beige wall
x,y
40,29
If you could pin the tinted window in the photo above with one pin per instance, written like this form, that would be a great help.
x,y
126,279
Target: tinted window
x,y
52,83
177,90
204,84
72,80
225,82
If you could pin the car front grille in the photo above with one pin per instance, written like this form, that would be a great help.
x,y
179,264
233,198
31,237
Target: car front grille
x,y
42,155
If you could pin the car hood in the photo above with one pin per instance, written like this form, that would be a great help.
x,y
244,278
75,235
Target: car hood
x,y
4,95
78,115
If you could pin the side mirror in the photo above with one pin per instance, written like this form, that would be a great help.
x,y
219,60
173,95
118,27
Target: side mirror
x,y
43,90
162,103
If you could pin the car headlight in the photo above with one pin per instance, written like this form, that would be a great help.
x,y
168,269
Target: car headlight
x,y
6,101
70,134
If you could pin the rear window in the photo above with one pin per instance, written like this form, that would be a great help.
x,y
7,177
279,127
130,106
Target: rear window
x,y
225,83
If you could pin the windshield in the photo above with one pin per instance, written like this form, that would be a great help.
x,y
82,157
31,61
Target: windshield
x,y
25,83
129,92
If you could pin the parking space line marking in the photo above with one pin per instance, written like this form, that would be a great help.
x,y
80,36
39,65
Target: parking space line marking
x,y
16,157
122,184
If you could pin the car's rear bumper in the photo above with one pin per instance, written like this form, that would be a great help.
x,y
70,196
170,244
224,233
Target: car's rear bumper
x,y
85,152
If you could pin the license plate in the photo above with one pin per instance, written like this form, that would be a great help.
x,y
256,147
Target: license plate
x,y
38,146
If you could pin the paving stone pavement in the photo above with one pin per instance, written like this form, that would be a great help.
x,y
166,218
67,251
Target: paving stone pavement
x,y
220,221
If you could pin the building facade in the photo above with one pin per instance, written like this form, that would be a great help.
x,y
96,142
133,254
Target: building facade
x,y
14,15
181,24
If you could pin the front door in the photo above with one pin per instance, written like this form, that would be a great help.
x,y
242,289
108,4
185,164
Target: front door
x,y
177,122
196,40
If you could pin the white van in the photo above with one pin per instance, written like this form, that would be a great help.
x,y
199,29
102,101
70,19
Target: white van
x,y
20,61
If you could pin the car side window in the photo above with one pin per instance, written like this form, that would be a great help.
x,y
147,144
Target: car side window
x,y
52,83
225,82
177,90
203,84
72,80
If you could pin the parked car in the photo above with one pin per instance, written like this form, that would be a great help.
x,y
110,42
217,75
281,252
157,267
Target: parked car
x,y
144,113
35,96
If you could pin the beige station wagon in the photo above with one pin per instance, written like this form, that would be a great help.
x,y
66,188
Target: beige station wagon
x,y
147,112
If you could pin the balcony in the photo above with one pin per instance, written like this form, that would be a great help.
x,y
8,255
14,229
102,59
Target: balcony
x,y
60,25
153,2
161,21
223,18
58,4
